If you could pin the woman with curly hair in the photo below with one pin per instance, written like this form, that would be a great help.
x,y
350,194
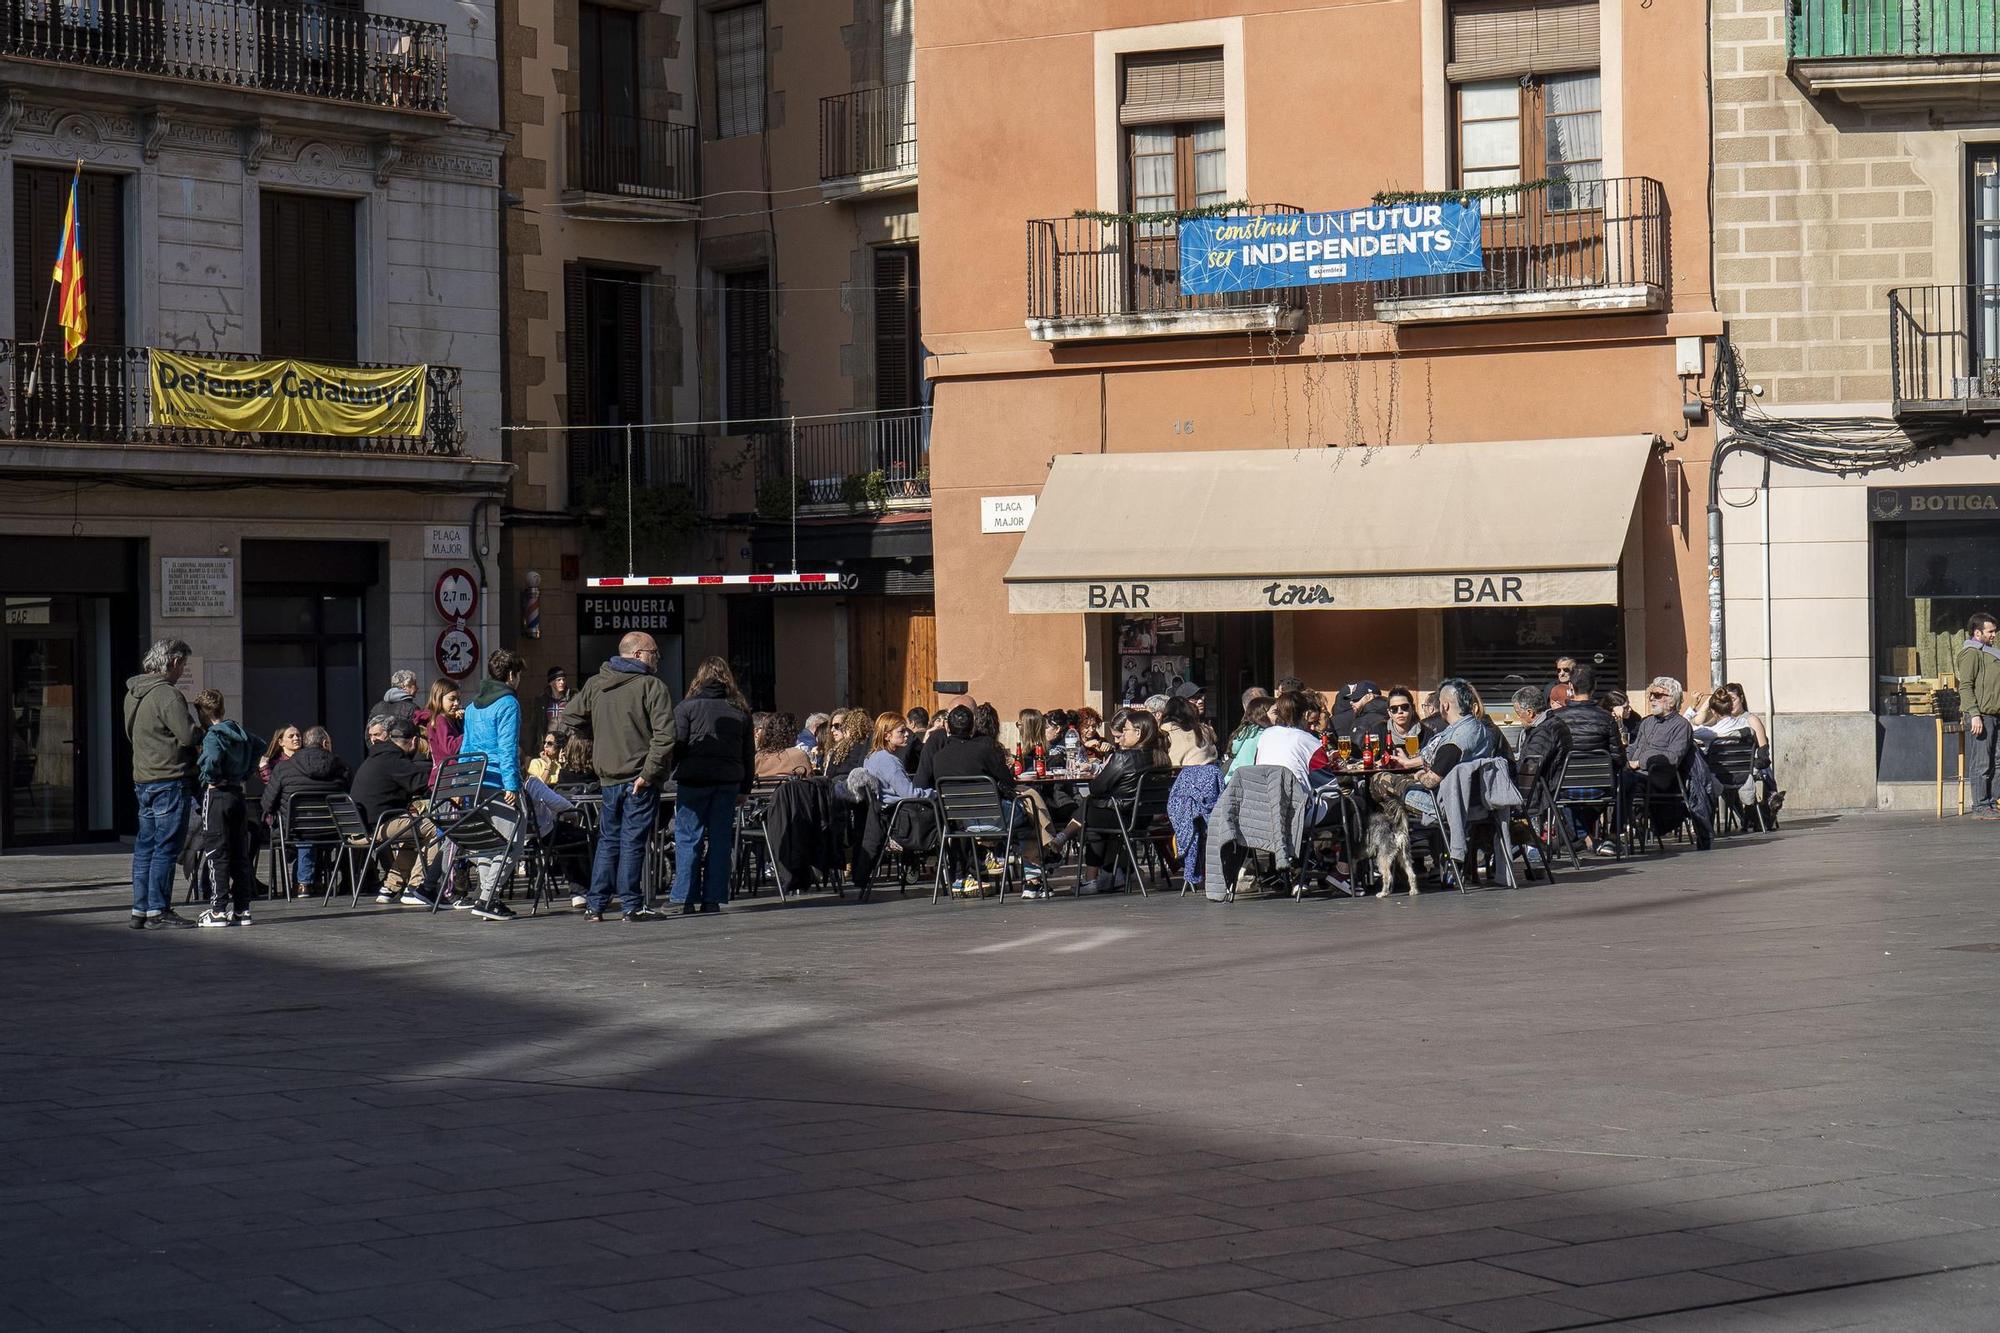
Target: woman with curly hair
x,y
778,753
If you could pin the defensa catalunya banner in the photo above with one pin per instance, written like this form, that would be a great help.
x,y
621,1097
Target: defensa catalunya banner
x,y
1239,254
285,397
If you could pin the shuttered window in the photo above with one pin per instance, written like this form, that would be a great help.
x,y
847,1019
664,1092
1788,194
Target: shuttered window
x,y
898,376
306,247
898,41
739,70
747,378
1510,38
41,194
1169,86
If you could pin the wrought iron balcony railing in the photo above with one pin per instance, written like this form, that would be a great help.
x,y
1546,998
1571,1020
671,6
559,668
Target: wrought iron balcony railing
x,y
631,156
1885,29
865,464
1095,269
307,49
654,459
870,131
105,397
1562,238
1944,349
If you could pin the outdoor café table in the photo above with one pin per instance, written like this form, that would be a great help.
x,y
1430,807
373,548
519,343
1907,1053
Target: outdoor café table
x,y
1350,785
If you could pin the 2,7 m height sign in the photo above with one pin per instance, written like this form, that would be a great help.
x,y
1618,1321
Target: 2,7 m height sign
x,y
1243,254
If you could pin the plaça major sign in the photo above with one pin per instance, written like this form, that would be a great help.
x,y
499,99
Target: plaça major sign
x,y
1241,254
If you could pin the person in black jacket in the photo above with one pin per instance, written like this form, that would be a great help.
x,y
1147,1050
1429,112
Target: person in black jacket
x,y
1139,750
392,778
1370,713
714,763
962,754
1592,730
315,768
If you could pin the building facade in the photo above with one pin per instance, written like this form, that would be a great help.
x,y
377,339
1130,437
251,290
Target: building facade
x,y
1471,473
255,182
1857,210
713,292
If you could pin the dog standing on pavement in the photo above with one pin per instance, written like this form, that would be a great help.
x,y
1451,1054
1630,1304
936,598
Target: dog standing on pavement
x,y
1387,839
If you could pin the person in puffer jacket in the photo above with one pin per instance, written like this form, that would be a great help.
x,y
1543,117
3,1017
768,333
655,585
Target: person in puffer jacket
x,y
493,730
229,756
315,768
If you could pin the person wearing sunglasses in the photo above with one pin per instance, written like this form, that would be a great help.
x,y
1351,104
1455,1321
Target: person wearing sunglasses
x,y
1405,721
1561,687
1663,733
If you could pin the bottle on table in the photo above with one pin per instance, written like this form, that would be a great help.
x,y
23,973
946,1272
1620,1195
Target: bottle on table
x,y
1041,763
1073,747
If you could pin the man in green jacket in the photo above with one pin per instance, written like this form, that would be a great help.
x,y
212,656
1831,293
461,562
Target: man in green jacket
x,y
1978,667
629,714
162,737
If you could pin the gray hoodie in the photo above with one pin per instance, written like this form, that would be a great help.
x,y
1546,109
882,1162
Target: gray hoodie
x,y
161,732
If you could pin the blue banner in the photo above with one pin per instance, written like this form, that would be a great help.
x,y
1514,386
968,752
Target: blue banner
x,y
1240,254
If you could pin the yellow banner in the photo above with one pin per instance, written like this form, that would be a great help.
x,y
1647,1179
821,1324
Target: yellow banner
x,y
285,397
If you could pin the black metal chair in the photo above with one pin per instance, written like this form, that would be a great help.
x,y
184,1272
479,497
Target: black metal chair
x,y
971,812
1733,761
306,820
1138,817
356,846
1546,825
1591,780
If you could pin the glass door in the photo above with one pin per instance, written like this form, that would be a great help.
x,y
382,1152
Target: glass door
x,y
44,761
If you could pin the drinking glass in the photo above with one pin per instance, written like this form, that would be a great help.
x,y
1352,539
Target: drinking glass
x,y
1346,748
1411,744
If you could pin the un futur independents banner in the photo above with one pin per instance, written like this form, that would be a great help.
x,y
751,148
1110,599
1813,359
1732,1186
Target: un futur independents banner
x,y
285,397
1241,254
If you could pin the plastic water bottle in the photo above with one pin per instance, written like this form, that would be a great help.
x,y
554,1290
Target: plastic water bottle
x,y
1072,747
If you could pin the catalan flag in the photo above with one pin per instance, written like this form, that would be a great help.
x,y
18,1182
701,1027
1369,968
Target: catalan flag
x,y
73,309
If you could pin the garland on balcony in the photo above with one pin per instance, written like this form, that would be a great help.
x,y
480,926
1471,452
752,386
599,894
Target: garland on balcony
x,y
1164,214
1390,198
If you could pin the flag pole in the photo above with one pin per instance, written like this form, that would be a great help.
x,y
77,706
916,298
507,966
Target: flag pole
x,y
35,371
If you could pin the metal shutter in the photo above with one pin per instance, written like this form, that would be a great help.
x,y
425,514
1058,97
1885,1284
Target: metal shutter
x,y
746,332
1493,39
1171,86
895,328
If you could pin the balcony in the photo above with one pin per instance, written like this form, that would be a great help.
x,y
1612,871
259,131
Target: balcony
x,y
628,166
657,460
1944,351
104,397
1091,280
865,465
1570,248
1896,52
868,142
201,48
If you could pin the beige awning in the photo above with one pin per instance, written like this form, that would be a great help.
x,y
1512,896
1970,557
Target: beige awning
x,y
1508,523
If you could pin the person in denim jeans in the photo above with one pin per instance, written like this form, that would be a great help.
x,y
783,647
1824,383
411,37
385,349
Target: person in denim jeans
x,y
714,760
162,737
630,717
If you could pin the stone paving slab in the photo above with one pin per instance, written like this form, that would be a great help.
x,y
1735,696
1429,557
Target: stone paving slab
x,y
1748,1090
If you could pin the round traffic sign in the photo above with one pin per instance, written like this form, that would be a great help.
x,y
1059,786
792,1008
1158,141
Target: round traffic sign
x,y
457,652
456,595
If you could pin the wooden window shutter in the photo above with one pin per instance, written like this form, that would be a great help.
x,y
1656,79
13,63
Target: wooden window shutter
x,y
746,319
103,256
39,196
1493,39
1171,86
306,247
739,70
895,352
630,315
576,348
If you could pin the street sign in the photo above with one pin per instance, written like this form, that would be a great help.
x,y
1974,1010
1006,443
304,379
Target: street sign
x,y
457,652
457,595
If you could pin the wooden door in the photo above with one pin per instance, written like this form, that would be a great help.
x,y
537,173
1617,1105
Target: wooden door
x,y
892,652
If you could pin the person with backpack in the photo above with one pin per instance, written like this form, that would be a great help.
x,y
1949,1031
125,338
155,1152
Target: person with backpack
x,y
229,755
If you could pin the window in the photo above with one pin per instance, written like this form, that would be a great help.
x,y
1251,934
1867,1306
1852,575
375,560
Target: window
x,y
1171,108
604,337
1983,228
307,253
748,382
41,196
898,372
610,41
739,70
898,40
1527,99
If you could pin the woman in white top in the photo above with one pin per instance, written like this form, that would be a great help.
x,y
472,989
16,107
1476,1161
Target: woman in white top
x,y
1735,716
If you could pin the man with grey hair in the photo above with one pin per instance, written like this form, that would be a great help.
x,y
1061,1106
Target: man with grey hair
x,y
1663,733
400,699
162,738
1544,745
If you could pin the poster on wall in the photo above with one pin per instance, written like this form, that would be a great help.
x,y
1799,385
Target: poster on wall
x,y
1169,631
1135,635
1171,670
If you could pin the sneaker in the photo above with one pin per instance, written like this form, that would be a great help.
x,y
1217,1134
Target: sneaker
x,y
1606,850
385,899
1037,893
462,904
1533,856
993,866
212,918
579,901
412,898
708,909
642,914
593,918
170,918
138,921
493,911
969,889
242,918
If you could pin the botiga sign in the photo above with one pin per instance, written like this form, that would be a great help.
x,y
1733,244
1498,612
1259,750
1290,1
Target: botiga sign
x,y
285,397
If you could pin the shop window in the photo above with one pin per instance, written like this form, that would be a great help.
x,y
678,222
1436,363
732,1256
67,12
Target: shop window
x,y
739,70
1931,576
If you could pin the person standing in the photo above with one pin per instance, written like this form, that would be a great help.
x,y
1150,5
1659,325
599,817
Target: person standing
x,y
1978,668
162,739
549,704
630,715
714,759
228,758
493,731
400,699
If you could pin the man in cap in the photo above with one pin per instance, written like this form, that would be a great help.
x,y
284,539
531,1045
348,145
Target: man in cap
x,y
391,779
1370,712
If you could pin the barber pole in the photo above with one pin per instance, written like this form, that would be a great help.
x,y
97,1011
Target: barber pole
x,y
531,607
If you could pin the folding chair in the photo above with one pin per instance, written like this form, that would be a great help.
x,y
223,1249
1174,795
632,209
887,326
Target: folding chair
x,y
1590,781
1645,814
307,820
747,871
356,847
1141,814
1733,761
903,831
475,832
970,811
1545,823
1499,822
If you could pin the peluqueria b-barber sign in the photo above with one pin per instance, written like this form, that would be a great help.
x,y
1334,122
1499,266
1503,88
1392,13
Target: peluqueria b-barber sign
x,y
1242,254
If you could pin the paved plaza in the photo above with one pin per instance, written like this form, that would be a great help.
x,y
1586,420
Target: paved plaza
x,y
1752,1090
